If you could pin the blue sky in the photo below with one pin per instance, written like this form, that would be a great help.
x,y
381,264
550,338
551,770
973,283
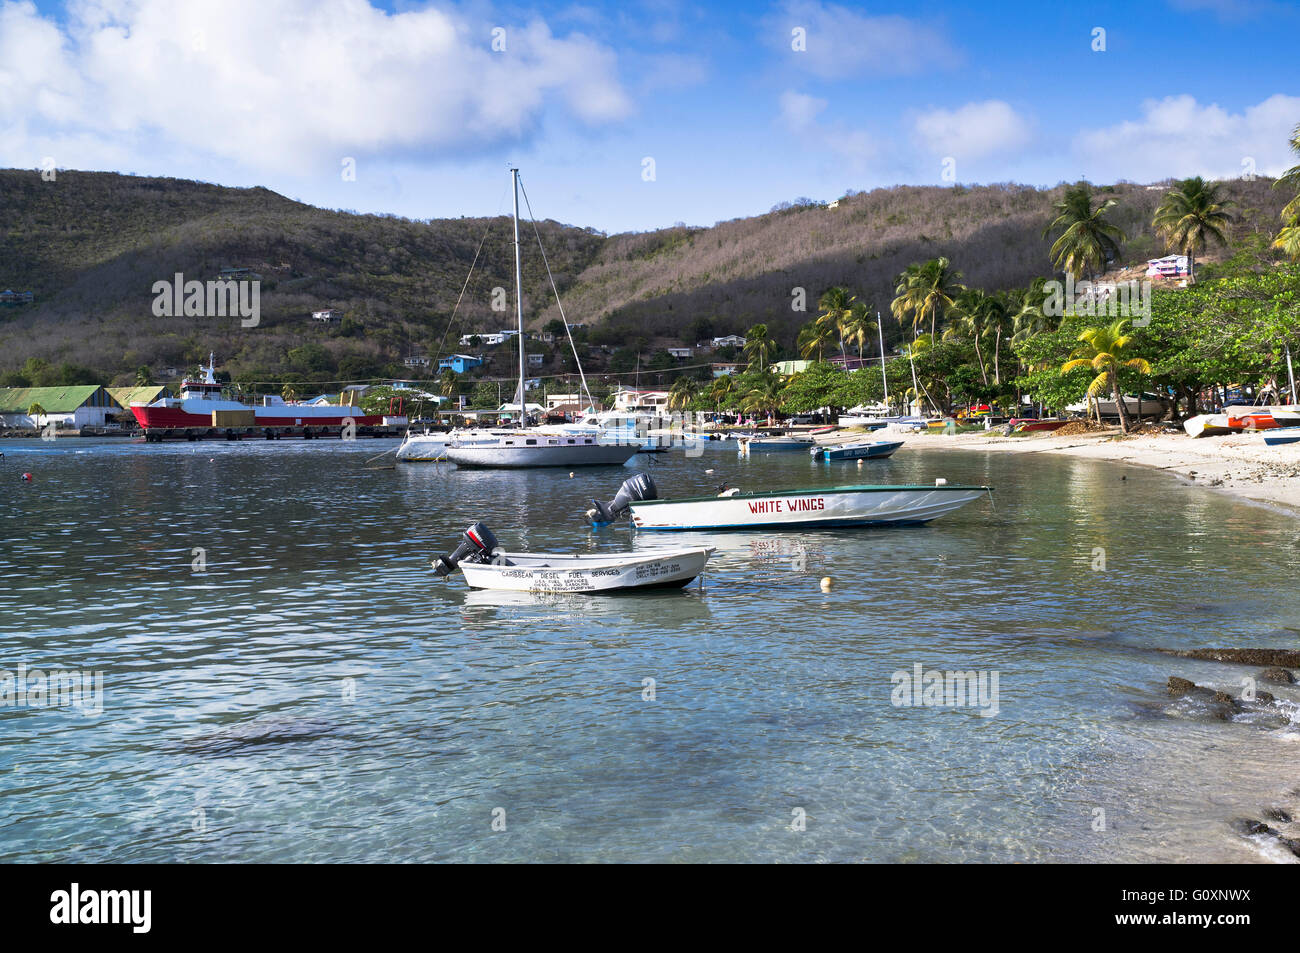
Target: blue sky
x,y
282,93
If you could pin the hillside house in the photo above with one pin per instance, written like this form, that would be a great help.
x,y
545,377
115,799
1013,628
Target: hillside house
x,y
681,353
11,298
460,363
327,316
1171,266
726,369
729,340
417,361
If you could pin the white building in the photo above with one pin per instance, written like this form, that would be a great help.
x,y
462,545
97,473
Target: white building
x,y
730,340
328,316
681,352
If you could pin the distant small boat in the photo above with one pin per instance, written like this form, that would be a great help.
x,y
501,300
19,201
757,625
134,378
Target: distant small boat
x,y
774,444
902,505
859,450
486,566
1033,425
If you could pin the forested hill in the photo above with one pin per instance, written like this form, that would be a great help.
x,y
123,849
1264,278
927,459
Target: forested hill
x,y
91,245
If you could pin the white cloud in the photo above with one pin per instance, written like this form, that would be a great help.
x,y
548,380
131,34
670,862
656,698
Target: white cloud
x,y
972,131
1177,136
799,116
278,85
799,111
843,43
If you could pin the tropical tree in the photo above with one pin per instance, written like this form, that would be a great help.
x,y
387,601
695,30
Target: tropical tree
x,y
925,292
764,397
967,322
759,346
37,411
814,339
837,308
288,392
448,383
1288,239
681,394
860,326
1106,350
143,376
721,390
1189,215
1087,240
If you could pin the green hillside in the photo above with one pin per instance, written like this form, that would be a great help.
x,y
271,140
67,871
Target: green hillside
x,y
91,245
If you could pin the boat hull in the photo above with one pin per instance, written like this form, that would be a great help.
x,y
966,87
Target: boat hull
x,y
521,572
521,455
830,507
278,415
862,451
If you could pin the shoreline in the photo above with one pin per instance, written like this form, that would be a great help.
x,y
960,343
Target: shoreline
x,y
1238,465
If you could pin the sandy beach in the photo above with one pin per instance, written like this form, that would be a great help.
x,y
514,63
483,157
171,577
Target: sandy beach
x,y
1240,465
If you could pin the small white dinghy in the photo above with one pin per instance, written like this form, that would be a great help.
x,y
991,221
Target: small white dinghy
x,y
486,566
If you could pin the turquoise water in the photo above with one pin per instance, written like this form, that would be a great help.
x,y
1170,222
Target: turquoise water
x,y
314,693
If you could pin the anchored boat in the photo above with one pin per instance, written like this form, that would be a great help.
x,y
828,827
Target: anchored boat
x,y
859,450
486,566
902,505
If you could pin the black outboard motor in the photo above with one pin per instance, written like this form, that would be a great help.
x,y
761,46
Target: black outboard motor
x,y
477,546
635,489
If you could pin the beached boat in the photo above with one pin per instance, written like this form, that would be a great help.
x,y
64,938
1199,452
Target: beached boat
x,y
858,450
1282,436
784,509
486,566
1035,425
1216,425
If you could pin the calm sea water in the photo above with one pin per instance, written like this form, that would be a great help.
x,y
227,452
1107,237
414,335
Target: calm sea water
x,y
304,689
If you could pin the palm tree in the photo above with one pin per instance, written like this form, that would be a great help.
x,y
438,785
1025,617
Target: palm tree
x,y
967,321
448,383
926,291
758,346
1087,239
143,376
1191,213
288,392
813,339
681,393
1106,350
764,397
37,411
837,306
1288,239
859,327
721,389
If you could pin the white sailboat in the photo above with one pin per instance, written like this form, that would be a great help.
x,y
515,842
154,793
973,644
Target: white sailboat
x,y
560,446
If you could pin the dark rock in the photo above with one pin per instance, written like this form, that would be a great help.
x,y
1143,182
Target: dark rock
x,y
1286,658
1277,814
1180,686
1277,674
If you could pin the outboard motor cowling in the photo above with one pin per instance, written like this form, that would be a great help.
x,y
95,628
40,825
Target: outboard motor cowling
x,y
635,489
477,546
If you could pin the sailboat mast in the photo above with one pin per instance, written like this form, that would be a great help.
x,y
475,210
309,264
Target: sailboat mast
x,y
519,294
883,379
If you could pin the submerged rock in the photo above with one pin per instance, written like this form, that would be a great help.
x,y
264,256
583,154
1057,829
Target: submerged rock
x,y
257,733
1276,674
1254,828
1286,658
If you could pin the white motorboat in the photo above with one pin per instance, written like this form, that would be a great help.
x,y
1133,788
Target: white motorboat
x,y
901,505
486,566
